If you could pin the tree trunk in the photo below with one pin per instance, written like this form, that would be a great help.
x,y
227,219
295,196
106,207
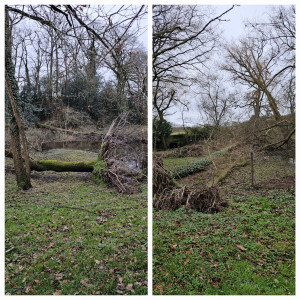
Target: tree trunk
x,y
23,181
58,166
62,166
273,105
56,70
18,138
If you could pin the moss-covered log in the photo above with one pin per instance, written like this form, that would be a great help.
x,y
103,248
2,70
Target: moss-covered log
x,y
62,166
59,166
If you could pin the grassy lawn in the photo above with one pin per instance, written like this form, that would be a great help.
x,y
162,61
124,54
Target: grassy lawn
x,y
248,249
54,248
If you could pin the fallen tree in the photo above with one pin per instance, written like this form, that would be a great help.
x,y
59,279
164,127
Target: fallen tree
x,y
280,143
68,131
226,172
168,195
58,166
109,167
62,166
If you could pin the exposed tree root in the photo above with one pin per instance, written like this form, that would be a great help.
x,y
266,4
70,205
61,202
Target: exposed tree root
x,y
168,196
110,166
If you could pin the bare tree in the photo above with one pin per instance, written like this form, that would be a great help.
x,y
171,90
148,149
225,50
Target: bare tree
x,y
266,56
213,99
59,23
183,38
252,63
280,31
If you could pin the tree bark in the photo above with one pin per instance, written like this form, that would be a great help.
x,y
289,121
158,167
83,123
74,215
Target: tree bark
x,y
62,166
58,166
18,138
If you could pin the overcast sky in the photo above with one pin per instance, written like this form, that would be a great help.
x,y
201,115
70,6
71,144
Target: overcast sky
x,y
231,30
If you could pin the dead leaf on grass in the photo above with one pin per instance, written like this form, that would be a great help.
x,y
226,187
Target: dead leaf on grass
x,y
241,248
57,292
129,288
59,276
84,282
30,290
173,247
186,261
159,287
101,220
65,229
120,279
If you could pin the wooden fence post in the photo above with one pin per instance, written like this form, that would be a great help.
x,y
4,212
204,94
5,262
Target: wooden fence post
x,y
252,169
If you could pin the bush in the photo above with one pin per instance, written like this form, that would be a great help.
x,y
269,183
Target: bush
x,y
161,130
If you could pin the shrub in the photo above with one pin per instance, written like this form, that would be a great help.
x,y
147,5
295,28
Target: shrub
x,y
161,129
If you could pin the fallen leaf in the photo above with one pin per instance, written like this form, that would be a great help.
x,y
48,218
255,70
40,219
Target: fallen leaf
x,y
101,220
186,261
59,276
129,287
57,292
160,287
173,247
241,248
120,279
84,282
65,229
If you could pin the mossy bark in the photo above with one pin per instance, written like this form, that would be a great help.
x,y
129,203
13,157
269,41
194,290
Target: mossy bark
x,y
98,171
62,166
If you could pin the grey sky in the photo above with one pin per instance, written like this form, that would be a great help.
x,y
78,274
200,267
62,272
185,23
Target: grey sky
x,y
231,31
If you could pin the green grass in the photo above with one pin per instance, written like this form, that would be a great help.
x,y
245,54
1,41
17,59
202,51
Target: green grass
x,y
198,254
54,249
